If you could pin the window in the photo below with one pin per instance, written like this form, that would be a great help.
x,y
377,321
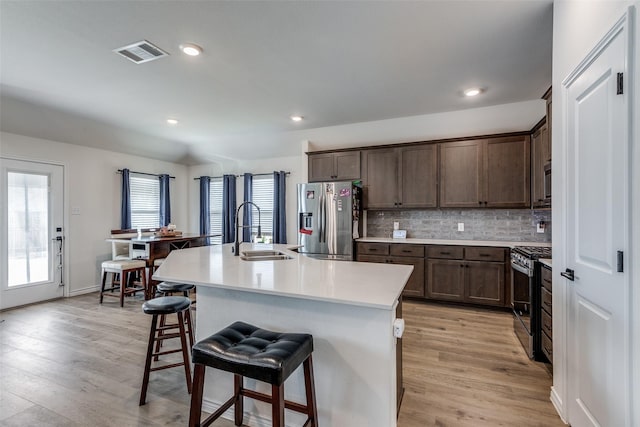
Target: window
x,y
263,197
145,201
215,210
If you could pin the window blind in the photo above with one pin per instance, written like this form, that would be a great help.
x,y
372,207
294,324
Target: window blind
x,y
145,201
263,197
215,209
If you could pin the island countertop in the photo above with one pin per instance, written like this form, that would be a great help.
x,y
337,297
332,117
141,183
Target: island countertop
x,y
342,282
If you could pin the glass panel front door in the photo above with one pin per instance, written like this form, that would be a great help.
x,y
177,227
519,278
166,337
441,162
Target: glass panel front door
x,y
31,220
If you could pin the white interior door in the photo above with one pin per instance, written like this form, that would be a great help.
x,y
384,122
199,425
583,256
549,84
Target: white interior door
x,y
31,250
597,229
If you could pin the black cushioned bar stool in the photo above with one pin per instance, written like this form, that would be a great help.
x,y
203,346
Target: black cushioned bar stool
x,y
159,307
167,289
248,351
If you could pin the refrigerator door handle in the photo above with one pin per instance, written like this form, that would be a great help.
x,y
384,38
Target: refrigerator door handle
x,y
322,218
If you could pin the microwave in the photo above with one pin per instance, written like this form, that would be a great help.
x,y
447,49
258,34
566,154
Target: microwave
x,y
139,250
547,183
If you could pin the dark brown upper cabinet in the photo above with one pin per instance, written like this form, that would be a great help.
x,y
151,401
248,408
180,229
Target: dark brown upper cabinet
x,y
336,166
493,172
401,177
540,156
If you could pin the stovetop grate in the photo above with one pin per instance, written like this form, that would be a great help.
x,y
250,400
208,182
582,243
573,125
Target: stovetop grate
x,y
534,252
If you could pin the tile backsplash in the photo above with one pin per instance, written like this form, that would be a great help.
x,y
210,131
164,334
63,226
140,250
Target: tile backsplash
x,y
518,225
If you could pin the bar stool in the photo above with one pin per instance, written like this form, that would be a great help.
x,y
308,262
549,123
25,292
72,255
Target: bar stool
x,y
159,307
167,289
123,268
153,283
248,351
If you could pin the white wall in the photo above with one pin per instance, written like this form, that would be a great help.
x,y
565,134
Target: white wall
x,y
92,185
577,28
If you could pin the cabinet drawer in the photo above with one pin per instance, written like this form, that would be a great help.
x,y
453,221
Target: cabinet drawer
x,y
373,249
546,324
445,252
484,254
546,276
547,347
546,300
372,258
407,250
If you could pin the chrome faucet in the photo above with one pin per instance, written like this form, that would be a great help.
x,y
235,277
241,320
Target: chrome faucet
x,y
238,227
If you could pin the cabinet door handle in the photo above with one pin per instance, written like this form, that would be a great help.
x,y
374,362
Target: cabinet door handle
x,y
569,274
461,265
445,253
372,250
479,203
406,251
467,266
485,255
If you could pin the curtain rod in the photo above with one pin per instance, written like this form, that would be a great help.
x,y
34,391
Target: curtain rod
x,y
144,173
238,176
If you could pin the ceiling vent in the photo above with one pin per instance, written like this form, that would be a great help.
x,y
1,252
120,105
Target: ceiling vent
x,y
140,52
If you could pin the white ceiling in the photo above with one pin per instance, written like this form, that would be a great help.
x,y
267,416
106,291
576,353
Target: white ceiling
x,y
334,62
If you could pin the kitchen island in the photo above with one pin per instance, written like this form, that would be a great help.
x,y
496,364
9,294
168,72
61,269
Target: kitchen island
x,y
348,307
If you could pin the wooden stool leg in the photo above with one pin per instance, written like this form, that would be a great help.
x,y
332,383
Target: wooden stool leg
x,y
163,322
310,388
277,405
145,284
123,285
196,395
185,352
189,322
238,403
104,281
147,364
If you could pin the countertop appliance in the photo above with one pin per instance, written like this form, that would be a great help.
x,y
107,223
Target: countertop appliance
x,y
329,219
525,300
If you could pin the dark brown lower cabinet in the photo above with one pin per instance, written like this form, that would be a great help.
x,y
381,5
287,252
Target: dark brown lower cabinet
x,y
415,285
469,274
484,282
445,279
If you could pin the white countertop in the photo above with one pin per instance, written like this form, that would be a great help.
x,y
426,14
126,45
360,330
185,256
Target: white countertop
x,y
495,243
545,261
343,282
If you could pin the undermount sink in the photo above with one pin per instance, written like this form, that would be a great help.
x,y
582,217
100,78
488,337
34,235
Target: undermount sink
x,y
264,255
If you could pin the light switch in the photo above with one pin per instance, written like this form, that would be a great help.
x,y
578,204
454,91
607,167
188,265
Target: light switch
x,y
75,210
461,226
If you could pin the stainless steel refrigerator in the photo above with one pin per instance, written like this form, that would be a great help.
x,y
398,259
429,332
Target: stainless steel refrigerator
x,y
328,219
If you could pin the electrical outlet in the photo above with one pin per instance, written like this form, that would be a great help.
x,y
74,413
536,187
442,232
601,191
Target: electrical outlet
x,y
540,227
396,225
461,226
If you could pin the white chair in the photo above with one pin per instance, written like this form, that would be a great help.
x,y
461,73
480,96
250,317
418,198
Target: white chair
x,y
123,268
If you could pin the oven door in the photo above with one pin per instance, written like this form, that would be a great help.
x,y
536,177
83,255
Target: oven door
x,y
521,304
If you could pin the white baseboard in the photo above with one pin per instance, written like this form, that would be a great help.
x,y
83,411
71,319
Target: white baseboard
x,y
82,291
557,403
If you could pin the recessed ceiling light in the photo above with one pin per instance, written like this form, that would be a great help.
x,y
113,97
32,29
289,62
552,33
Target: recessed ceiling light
x,y
191,49
472,92
297,118
172,121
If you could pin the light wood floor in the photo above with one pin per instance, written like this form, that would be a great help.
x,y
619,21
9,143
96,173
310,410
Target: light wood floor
x,y
72,362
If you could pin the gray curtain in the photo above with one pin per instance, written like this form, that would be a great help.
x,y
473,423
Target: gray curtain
x,y
125,210
246,214
205,226
228,208
279,208
165,200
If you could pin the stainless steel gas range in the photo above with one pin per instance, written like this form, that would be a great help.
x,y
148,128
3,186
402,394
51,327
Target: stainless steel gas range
x,y
524,298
